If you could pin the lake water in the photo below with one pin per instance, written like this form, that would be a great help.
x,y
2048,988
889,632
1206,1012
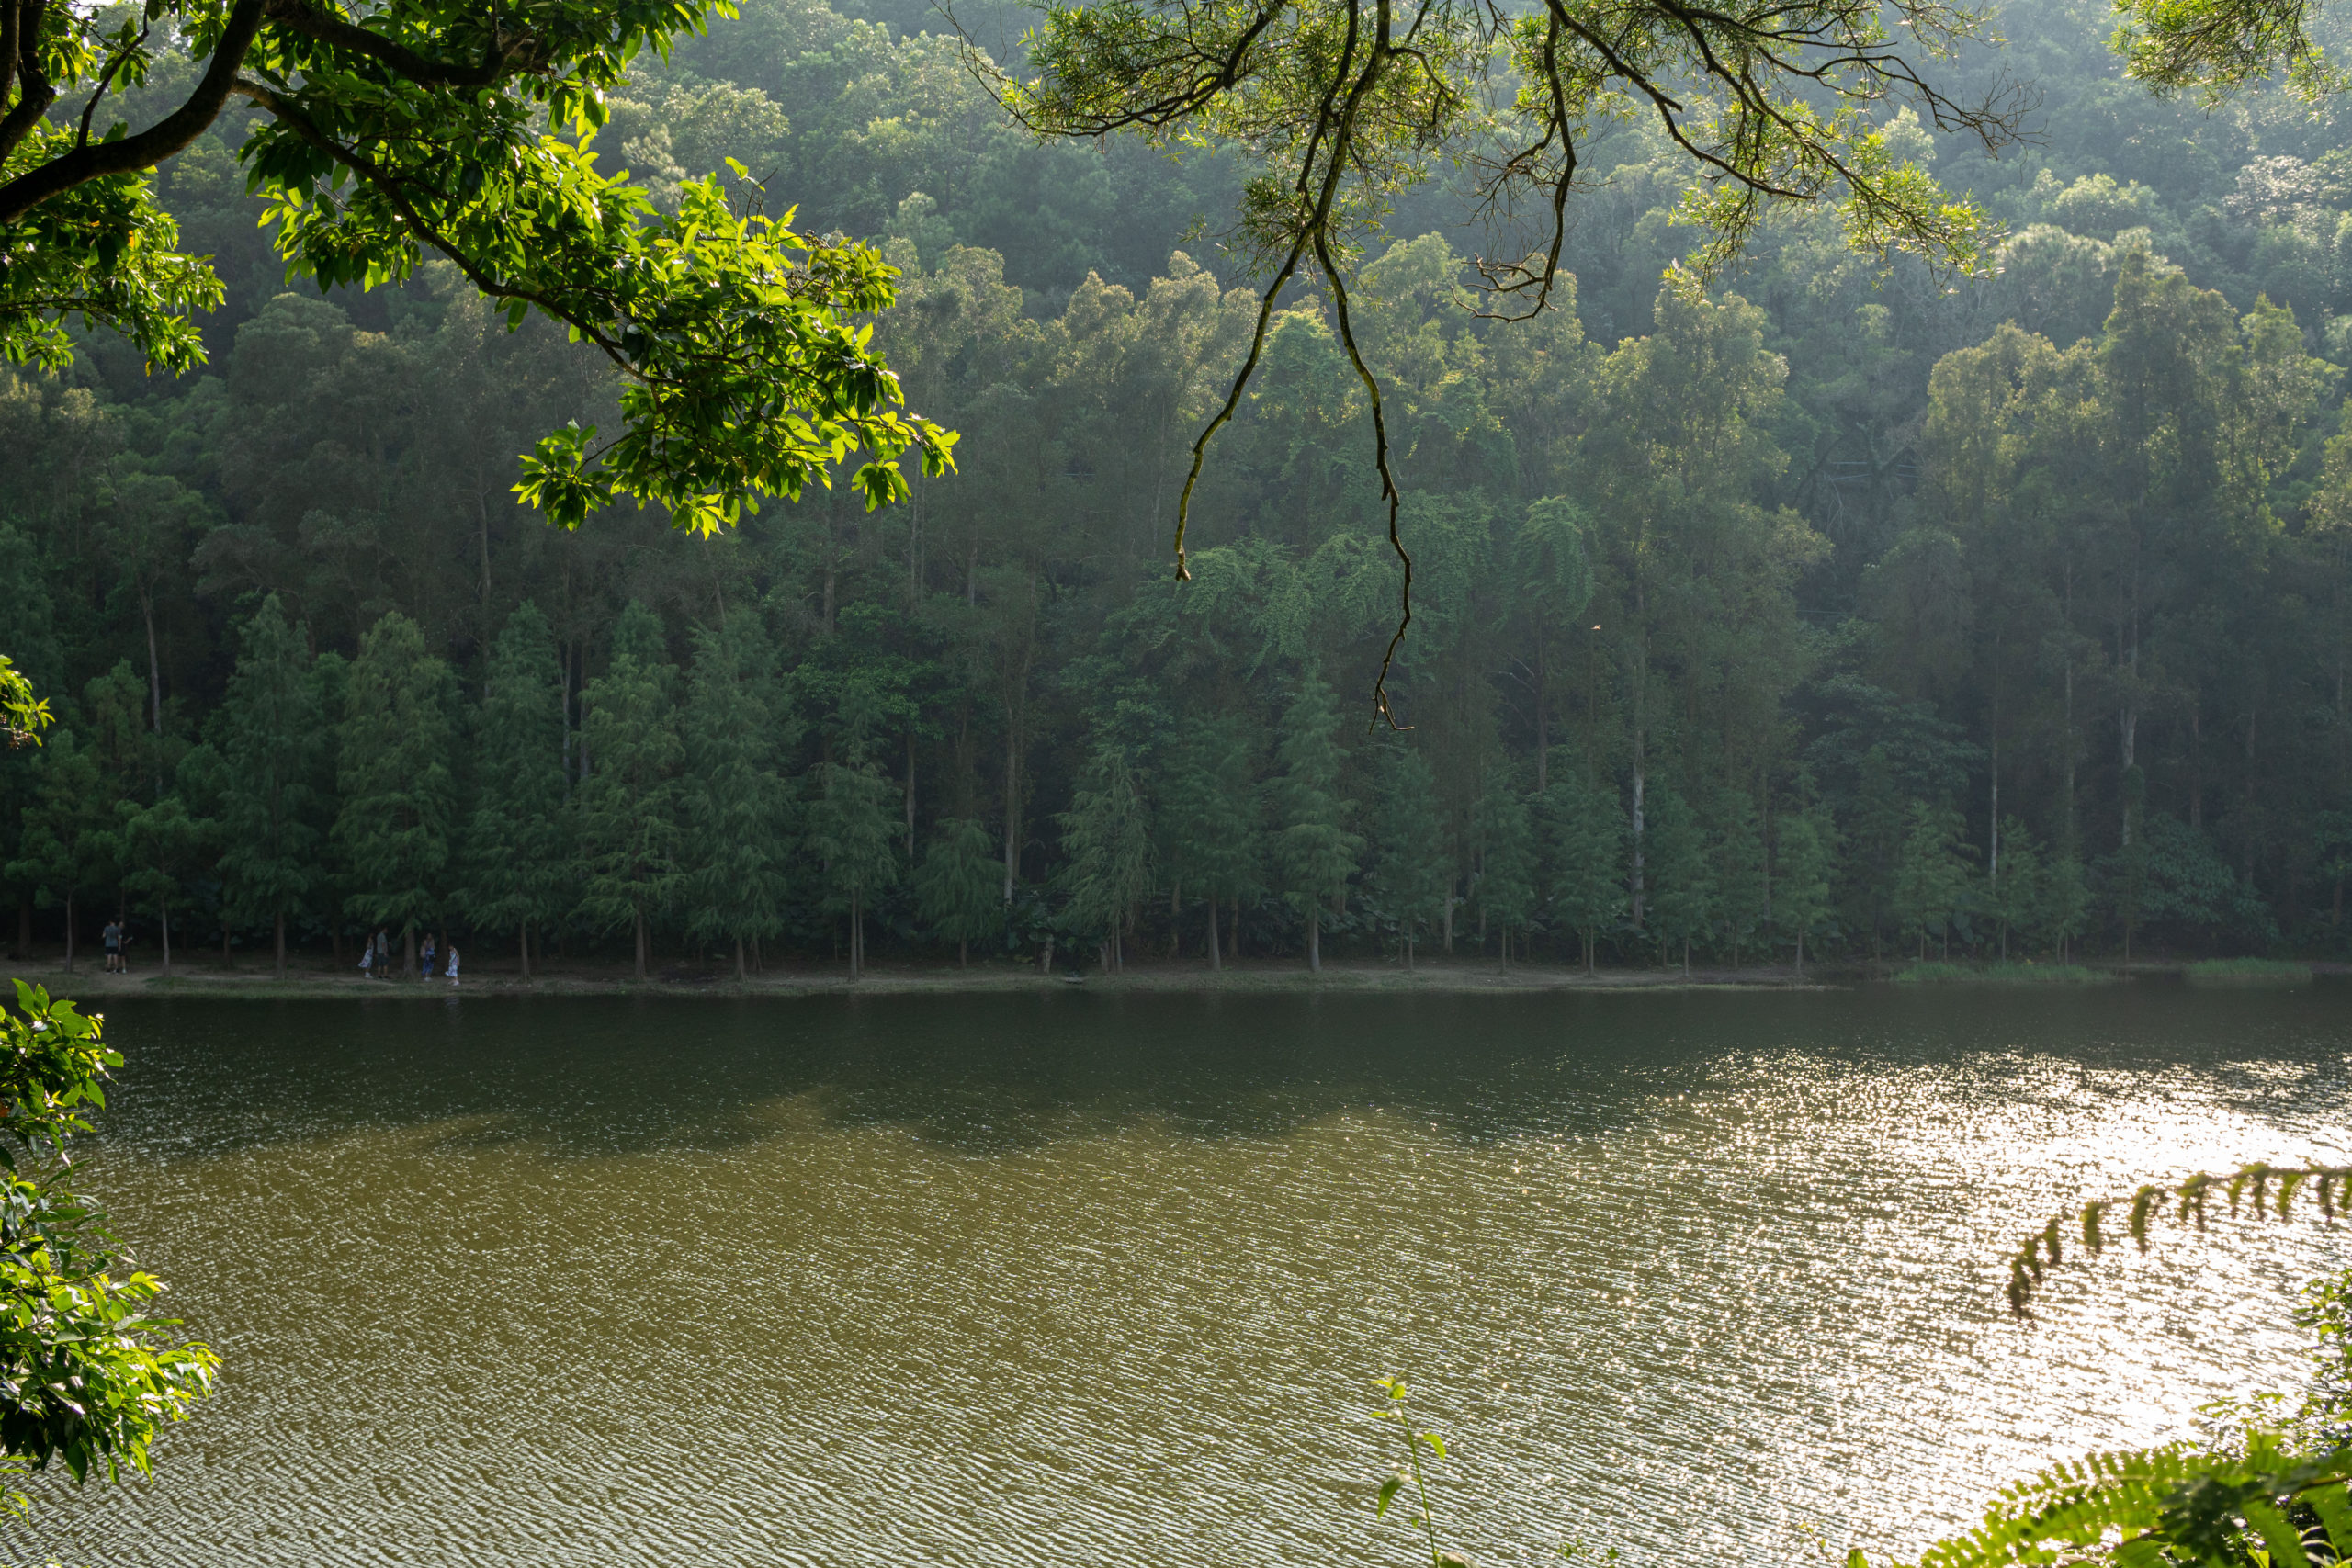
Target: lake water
x,y
1077,1278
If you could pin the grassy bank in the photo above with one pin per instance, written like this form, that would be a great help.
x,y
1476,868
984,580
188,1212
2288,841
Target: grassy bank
x,y
2250,972
2002,974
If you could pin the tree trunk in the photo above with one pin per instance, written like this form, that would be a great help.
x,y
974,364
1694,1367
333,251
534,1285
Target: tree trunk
x,y
523,944
1634,878
69,932
281,944
963,952
408,951
1216,953
640,945
1011,809
163,919
1315,939
857,921
154,668
1800,952
739,960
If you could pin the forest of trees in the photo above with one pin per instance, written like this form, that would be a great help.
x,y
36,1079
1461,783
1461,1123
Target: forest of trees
x,y
1841,610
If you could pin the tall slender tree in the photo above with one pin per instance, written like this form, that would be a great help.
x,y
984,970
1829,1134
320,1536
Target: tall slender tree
x,y
1107,833
1804,859
1743,881
856,842
736,826
630,804
164,845
1314,850
1931,874
1409,865
66,847
271,733
1506,861
394,766
955,886
518,847
1682,880
1585,826
1210,834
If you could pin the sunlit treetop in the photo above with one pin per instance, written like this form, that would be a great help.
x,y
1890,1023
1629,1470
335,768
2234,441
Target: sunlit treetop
x,y
392,131
1346,102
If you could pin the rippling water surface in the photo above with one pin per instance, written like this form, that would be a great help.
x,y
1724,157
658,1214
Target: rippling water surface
x,y
1077,1278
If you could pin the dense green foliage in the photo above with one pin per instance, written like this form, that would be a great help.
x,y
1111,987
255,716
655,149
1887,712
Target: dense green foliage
x,y
1970,618
84,1377
427,128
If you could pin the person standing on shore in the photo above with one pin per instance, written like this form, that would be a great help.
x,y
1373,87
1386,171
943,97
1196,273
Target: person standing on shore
x,y
426,972
453,963
112,936
383,954
367,960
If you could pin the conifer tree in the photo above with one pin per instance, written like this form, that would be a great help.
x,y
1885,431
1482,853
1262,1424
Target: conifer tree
x,y
2065,907
1931,874
394,767
1507,861
518,837
1409,866
1743,881
957,886
1314,851
1874,838
855,841
1682,903
1807,846
2019,896
65,846
272,736
851,834
1586,828
736,827
1208,816
1107,833
630,803
161,847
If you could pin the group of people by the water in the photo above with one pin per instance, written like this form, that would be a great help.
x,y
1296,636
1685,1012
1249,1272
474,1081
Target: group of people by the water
x,y
376,958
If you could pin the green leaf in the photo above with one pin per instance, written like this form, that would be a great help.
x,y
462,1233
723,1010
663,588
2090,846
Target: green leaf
x,y
2285,1545
2328,1501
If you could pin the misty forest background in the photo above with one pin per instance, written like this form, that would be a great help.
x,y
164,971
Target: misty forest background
x,y
1897,613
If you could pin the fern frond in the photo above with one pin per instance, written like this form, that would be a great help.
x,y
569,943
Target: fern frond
x,y
2151,1507
2266,1189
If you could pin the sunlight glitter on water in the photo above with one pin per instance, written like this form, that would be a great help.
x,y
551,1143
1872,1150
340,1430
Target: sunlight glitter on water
x,y
1090,1279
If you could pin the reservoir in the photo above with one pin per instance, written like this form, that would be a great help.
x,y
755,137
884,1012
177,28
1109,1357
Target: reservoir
x,y
1077,1278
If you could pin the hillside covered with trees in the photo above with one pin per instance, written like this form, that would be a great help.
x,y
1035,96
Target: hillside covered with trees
x,y
1840,603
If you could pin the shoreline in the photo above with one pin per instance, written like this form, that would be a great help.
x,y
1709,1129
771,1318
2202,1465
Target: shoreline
x,y
204,977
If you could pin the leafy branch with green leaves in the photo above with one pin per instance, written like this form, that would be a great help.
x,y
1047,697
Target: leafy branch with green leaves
x,y
85,1378
1345,103
390,132
2265,1189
